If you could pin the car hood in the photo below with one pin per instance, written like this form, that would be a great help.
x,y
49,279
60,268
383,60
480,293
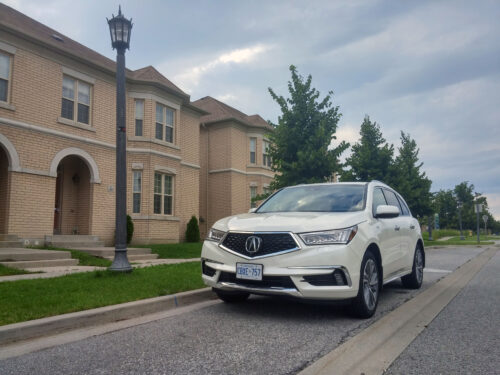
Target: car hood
x,y
296,222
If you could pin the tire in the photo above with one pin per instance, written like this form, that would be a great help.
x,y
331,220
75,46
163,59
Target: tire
x,y
415,278
231,297
365,303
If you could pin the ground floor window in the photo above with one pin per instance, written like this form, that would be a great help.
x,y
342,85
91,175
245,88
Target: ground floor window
x,y
163,194
253,194
136,197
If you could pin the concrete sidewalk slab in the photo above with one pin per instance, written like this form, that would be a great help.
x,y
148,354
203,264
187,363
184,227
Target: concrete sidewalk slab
x,y
89,318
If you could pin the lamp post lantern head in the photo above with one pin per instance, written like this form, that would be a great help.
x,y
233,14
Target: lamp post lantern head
x,y
120,29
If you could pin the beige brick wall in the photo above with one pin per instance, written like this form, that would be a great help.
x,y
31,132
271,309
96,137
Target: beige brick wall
x,y
4,190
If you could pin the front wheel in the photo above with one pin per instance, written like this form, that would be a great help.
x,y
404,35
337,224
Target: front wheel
x,y
365,303
230,296
415,278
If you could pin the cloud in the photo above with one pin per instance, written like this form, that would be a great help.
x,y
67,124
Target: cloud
x,y
191,76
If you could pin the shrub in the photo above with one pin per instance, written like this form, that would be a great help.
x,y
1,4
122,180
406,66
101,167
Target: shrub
x,y
192,230
130,229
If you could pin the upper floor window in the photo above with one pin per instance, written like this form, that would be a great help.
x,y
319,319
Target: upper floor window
x,y
266,159
163,194
4,77
164,123
139,116
75,100
253,149
137,188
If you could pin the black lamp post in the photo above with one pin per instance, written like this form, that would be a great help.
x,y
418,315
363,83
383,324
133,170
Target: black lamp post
x,y
460,205
120,29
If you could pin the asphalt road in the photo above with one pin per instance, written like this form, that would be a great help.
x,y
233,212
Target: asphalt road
x,y
465,337
261,336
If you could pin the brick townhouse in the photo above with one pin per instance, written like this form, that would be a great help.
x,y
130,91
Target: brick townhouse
x,y
57,144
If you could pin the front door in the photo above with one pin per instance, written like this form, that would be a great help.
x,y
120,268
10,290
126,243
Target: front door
x,y
58,202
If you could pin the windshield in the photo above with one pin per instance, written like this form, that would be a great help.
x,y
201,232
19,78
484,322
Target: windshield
x,y
316,198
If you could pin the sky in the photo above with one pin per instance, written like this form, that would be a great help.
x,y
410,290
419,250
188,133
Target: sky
x,y
428,68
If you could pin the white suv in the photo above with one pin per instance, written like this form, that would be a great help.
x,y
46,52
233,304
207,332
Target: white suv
x,y
321,241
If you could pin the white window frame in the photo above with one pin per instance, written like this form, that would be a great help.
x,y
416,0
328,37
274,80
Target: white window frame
x,y
76,100
162,194
254,151
266,159
139,117
136,190
9,77
164,124
253,194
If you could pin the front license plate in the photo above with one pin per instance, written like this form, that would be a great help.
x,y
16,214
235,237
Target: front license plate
x,y
249,271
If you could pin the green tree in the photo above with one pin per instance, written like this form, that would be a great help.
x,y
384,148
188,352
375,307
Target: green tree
x,y
409,180
371,157
444,203
300,145
193,230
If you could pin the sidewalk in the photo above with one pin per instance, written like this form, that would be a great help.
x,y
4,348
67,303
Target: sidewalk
x,y
47,272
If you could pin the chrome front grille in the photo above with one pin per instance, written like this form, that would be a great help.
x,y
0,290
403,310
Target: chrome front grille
x,y
270,243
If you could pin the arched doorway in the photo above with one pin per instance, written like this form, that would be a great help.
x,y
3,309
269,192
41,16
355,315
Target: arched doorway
x,y
72,209
4,190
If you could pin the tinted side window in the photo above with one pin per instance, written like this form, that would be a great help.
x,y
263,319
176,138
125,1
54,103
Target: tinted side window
x,y
392,200
404,207
378,199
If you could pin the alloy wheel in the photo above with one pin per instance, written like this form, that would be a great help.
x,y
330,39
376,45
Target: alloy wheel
x,y
370,284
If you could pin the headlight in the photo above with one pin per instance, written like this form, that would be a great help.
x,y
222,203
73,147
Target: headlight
x,y
339,236
215,235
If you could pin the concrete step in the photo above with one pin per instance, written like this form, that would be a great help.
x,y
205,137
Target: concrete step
x,y
132,257
41,263
109,252
10,244
75,245
71,237
18,254
73,241
8,237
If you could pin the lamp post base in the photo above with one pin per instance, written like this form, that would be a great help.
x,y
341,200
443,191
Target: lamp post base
x,y
120,263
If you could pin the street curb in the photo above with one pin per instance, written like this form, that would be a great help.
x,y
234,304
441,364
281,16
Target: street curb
x,y
107,314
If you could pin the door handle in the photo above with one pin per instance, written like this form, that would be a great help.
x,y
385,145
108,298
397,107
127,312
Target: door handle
x,y
412,226
396,227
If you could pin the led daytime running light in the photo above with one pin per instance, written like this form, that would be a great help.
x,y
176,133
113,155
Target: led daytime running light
x,y
340,236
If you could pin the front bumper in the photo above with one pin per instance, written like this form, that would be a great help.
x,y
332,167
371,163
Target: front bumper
x,y
299,273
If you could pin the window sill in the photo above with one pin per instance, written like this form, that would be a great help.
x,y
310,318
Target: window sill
x,y
75,124
135,138
155,217
8,106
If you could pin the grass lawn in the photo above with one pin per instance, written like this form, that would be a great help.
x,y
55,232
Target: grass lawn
x,y
8,271
183,250
84,259
32,299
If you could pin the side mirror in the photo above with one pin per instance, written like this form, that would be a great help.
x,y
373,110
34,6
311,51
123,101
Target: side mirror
x,y
252,210
386,212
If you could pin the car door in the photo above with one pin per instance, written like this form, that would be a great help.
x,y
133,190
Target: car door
x,y
398,227
409,232
388,238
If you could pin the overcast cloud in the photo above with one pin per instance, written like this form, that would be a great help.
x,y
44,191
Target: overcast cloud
x,y
430,68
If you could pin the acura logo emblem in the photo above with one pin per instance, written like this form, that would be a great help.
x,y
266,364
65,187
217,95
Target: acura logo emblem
x,y
252,244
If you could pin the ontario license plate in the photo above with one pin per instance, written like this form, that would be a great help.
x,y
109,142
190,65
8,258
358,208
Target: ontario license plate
x,y
249,271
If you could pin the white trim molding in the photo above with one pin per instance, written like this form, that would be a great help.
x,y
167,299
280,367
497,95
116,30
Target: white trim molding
x,y
163,169
12,155
156,98
137,166
81,76
94,170
155,217
57,133
186,164
8,48
227,170
154,152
